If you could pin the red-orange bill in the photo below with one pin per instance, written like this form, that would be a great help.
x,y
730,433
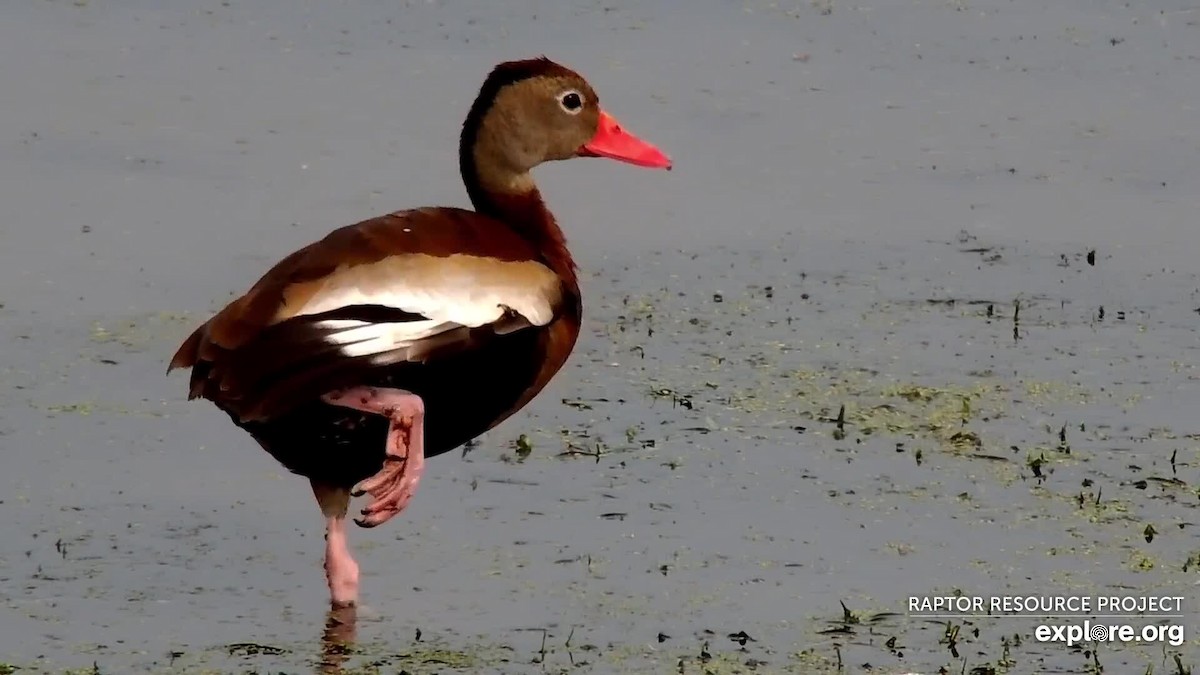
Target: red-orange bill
x,y
613,142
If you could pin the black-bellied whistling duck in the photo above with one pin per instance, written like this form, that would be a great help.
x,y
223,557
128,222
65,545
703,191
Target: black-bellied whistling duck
x,y
407,335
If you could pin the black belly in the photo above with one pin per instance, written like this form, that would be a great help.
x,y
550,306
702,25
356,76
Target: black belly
x,y
464,395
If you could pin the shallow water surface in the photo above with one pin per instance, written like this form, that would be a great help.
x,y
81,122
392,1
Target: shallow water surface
x,y
913,315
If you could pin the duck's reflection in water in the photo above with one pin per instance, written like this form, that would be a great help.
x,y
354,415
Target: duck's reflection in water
x,y
337,642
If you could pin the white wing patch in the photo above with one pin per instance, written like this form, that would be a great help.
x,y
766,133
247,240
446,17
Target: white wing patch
x,y
364,338
459,290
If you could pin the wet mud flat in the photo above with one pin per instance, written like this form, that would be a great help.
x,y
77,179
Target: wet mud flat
x,y
754,458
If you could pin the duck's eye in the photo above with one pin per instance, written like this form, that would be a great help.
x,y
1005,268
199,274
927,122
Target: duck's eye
x,y
571,102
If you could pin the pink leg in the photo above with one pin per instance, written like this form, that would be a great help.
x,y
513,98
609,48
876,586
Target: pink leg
x,y
340,569
396,482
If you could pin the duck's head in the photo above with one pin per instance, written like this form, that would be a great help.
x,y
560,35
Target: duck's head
x,y
534,111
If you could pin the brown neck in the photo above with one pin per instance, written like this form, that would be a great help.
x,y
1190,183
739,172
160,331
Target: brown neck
x,y
513,199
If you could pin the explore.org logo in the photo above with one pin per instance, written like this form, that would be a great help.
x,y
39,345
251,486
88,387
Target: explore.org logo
x,y
1073,634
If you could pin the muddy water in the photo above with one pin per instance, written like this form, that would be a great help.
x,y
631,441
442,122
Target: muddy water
x,y
862,201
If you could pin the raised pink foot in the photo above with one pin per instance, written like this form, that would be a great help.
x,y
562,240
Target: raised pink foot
x,y
396,483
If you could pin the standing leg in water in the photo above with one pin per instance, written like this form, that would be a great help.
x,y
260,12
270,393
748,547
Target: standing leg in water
x,y
340,569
